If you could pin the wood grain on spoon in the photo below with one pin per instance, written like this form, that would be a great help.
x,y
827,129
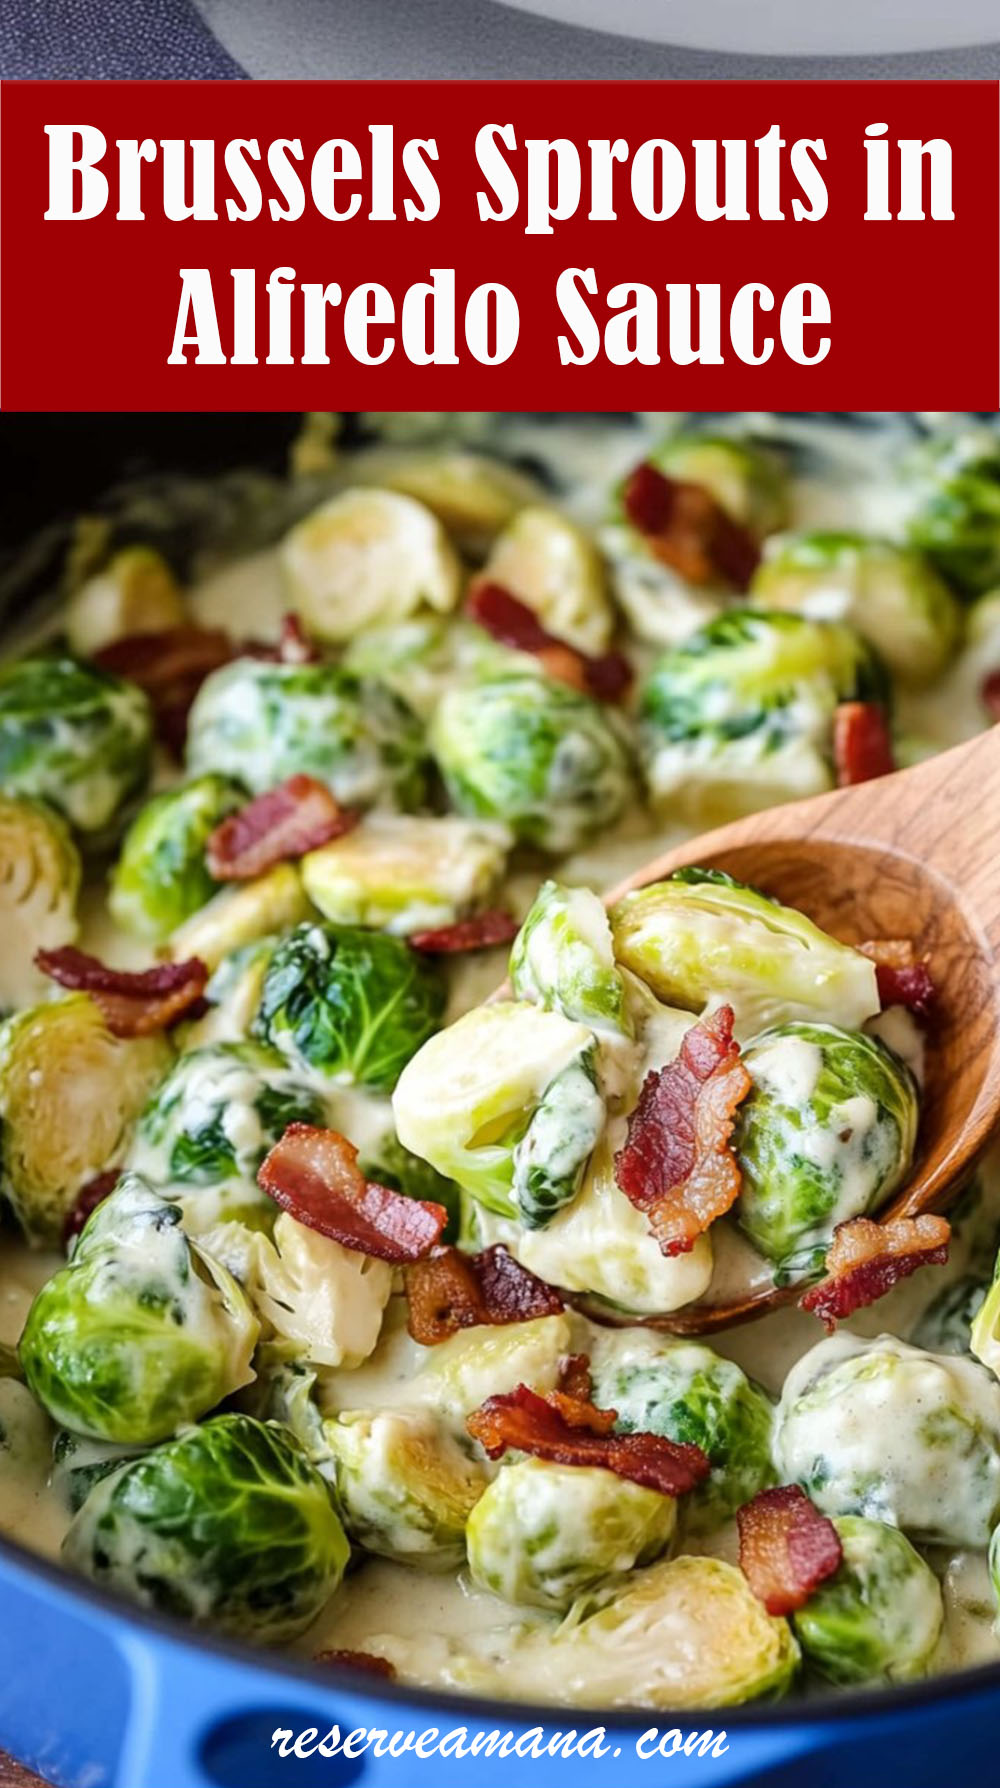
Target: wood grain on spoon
x,y
913,855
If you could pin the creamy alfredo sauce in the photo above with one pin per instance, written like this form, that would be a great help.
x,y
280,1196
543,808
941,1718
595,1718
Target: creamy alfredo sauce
x,y
419,1618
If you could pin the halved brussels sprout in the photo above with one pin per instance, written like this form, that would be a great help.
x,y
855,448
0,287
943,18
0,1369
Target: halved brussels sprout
x,y
75,737
548,562
135,592
242,916
879,1428
890,594
141,1331
404,874
546,760
69,1095
702,937
946,1324
78,1464
403,1485
207,1128
745,477
459,1374
687,1393
878,1618
469,1100
307,1288
368,556
474,497
422,659
39,884
954,515
562,958
161,877
684,1633
353,1005
260,722
827,1133
543,1534
740,715
228,1526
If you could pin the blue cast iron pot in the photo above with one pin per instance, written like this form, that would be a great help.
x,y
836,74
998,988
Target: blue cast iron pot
x,y
96,1695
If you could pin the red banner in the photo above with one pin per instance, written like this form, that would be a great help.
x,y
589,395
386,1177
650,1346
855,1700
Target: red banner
x,y
577,245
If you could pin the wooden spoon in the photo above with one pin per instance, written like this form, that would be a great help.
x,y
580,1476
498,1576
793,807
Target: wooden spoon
x,y
913,855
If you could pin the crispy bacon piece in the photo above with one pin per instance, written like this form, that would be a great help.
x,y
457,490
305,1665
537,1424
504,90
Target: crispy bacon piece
x,y
87,1199
286,822
688,530
449,1290
357,1660
571,1432
508,619
903,979
676,1164
862,745
483,931
787,1548
866,1259
574,1377
171,667
133,1004
989,694
314,1174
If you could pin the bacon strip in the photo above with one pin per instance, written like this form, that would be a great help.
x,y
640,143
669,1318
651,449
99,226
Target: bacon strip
x,y
450,1290
866,1259
688,530
676,1164
574,1377
286,822
171,667
314,1174
902,978
506,618
483,931
87,1199
571,1432
134,1005
787,1548
862,744
989,694
357,1660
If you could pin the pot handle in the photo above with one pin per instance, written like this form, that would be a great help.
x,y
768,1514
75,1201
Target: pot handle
x,y
207,1721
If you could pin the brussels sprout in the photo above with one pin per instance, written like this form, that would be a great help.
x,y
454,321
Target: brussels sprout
x,y
422,659
459,1374
879,1428
683,1633
259,722
228,1526
946,1324
161,877
689,1394
548,562
889,594
327,1299
404,874
827,1133
212,1121
79,1464
39,884
701,937
242,916
539,756
386,1161
544,1534
746,478
740,715
474,497
404,1487
879,1617
354,1005
141,1331
364,557
505,1103
135,592
69,1094
75,737
955,507
563,959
